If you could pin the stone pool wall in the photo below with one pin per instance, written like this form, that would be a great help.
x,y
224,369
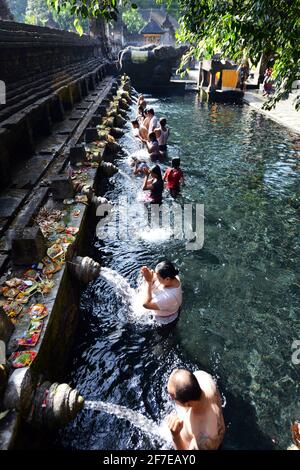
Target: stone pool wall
x,y
94,137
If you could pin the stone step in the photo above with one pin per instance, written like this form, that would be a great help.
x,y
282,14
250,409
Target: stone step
x,y
31,172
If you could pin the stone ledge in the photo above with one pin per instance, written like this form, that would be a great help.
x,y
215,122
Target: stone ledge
x,y
62,302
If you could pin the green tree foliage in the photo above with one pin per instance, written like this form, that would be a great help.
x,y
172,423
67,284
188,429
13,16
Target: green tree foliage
x,y
37,13
133,20
237,28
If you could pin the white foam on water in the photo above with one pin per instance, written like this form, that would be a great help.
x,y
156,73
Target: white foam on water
x,y
124,175
156,235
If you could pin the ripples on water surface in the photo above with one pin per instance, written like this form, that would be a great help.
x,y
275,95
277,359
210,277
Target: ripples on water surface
x,y
241,291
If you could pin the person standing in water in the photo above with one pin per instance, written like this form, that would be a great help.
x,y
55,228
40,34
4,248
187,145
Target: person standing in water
x,y
141,115
153,148
141,101
153,120
136,129
200,423
153,181
144,126
163,293
162,134
174,177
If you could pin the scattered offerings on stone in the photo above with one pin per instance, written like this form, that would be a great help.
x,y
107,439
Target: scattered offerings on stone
x,y
49,267
30,274
13,309
38,311
45,286
55,251
9,293
31,337
72,230
22,358
80,198
59,227
14,282
47,219
22,298
68,201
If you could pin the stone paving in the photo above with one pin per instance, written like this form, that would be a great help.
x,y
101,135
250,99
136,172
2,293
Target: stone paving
x,y
284,113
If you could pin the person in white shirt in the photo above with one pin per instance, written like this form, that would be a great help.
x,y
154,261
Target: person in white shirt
x,y
162,293
153,120
162,134
199,424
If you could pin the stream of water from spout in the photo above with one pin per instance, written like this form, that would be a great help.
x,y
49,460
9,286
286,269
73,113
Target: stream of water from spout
x,y
131,297
146,425
124,175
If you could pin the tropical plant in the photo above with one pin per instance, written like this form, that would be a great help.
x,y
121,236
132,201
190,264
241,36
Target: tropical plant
x,y
235,28
239,28
133,20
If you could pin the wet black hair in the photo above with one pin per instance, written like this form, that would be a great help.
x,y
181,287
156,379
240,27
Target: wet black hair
x,y
151,111
156,169
163,122
152,136
166,269
146,111
187,389
176,162
135,121
141,108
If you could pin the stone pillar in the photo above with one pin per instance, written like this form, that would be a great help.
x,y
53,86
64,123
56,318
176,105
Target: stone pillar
x,y
200,76
212,78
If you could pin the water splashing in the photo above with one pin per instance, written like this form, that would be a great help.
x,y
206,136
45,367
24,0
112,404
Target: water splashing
x,y
124,175
156,235
118,282
146,425
130,296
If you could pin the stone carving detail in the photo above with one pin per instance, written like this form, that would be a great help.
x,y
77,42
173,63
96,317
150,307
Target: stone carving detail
x,y
84,268
108,168
150,64
45,405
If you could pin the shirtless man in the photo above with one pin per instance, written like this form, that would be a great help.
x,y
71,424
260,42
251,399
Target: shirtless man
x,y
200,425
144,126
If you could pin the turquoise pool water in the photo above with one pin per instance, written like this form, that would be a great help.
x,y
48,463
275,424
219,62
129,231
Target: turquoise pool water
x,y
241,290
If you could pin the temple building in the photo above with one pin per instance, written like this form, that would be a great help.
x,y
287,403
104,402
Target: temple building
x,y
160,28
152,33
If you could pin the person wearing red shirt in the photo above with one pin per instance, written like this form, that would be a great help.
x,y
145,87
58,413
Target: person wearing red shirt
x,y
174,177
